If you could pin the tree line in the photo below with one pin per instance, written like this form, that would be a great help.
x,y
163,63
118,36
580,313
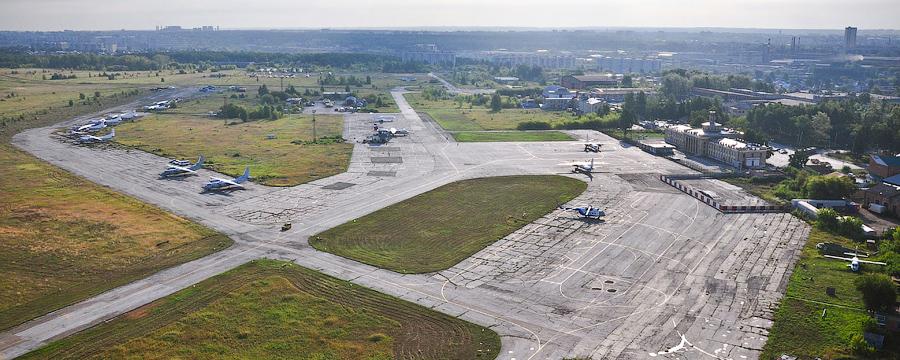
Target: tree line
x,y
858,123
18,58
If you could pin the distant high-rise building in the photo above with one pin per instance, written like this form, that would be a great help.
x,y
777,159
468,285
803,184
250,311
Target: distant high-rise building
x,y
793,44
850,38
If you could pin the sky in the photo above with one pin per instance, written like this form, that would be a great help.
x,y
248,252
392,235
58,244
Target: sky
x,y
293,14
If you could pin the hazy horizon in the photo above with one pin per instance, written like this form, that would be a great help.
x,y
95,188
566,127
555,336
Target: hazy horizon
x,y
54,15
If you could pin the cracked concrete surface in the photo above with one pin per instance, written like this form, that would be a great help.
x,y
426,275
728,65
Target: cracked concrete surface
x,y
661,270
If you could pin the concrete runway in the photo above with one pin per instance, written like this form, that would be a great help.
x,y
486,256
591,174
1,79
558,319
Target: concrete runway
x,y
663,275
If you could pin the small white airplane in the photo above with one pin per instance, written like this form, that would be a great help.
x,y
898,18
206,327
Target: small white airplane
x,y
182,170
581,167
216,184
93,126
90,139
399,132
854,261
592,147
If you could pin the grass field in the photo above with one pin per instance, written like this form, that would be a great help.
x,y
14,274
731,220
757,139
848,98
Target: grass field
x,y
438,229
89,81
282,161
451,117
799,328
63,239
494,136
635,135
271,310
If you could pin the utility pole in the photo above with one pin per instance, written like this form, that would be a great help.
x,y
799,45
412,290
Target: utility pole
x,y
314,126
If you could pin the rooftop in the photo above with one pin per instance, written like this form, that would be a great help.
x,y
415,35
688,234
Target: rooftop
x,y
886,160
737,144
893,180
600,77
884,190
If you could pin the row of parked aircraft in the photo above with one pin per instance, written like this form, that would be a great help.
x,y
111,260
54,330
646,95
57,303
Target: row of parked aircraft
x,y
85,132
179,168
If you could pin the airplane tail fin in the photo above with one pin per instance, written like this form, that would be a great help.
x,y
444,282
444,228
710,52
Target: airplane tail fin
x,y
244,177
199,164
592,164
111,135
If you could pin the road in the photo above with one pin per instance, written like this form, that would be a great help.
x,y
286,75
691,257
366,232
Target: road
x,y
661,270
782,160
453,89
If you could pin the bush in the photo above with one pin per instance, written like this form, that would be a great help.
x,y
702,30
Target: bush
x,y
828,187
878,291
533,125
859,346
827,219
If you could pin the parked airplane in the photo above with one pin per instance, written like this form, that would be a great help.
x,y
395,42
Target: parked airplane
x,y
90,139
399,132
113,121
592,147
182,170
588,212
93,126
854,261
216,184
381,119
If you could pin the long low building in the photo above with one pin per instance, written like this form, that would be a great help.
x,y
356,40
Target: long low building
x,y
717,143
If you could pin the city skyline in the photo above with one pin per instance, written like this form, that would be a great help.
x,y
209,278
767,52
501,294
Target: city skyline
x,y
282,14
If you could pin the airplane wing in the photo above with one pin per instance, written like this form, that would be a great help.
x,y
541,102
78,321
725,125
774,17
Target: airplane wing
x,y
872,262
183,169
230,182
575,163
839,258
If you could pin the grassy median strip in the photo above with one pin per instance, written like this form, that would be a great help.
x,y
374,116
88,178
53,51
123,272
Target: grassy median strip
x,y
510,136
438,229
279,152
269,309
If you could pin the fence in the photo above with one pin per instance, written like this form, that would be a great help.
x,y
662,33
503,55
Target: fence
x,y
727,209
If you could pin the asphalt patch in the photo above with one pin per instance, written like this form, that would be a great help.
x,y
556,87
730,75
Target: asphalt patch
x,y
382,173
338,186
387,160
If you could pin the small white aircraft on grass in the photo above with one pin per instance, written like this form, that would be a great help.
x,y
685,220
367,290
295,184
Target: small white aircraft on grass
x,y
854,261
216,184
90,139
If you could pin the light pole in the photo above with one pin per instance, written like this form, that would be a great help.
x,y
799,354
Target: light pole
x,y
314,125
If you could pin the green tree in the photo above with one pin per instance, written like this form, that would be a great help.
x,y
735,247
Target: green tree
x,y
829,187
675,86
859,346
827,219
496,103
263,90
798,159
878,291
